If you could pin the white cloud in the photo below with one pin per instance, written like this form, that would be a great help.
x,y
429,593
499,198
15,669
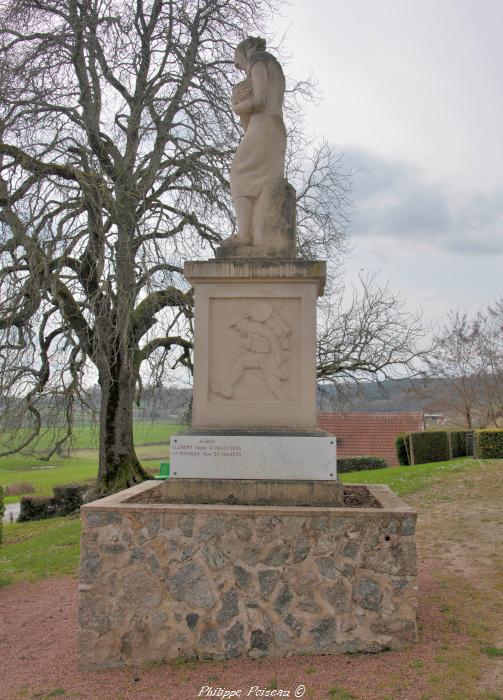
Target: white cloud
x,y
397,201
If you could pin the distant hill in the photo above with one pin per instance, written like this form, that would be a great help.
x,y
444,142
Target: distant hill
x,y
387,396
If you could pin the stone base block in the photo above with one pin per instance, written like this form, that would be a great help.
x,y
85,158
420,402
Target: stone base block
x,y
273,232
246,492
163,580
250,456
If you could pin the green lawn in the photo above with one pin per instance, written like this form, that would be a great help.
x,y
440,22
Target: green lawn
x,y
403,480
51,547
87,436
39,549
83,464
44,476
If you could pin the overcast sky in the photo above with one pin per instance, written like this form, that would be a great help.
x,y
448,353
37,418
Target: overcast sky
x,y
413,95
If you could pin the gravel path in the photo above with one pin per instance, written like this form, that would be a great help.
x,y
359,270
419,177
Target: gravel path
x,y
38,658
12,511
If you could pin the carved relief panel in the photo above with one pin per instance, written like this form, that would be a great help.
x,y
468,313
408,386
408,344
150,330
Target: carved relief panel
x,y
254,350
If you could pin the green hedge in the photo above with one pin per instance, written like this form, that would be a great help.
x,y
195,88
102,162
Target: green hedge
x,y
358,464
489,444
430,446
66,500
2,512
69,497
36,508
458,443
401,450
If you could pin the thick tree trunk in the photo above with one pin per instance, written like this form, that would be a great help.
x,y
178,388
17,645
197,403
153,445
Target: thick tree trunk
x,y
119,467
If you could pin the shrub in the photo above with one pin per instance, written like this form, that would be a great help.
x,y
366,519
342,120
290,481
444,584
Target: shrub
x,y
358,464
401,450
489,444
35,508
2,512
66,500
458,443
429,446
18,488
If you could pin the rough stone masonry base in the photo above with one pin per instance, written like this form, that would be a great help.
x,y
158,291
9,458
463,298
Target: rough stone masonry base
x,y
160,580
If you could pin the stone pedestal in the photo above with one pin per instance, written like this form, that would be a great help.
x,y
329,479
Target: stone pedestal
x,y
255,344
254,399
163,576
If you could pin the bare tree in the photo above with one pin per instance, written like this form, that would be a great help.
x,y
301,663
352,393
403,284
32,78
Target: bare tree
x,y
454,371
369,336
115,143
489,347
464,374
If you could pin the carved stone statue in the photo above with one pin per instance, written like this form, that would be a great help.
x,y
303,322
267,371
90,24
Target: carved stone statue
x,y
263,199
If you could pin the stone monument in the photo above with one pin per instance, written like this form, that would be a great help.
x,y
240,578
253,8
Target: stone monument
x,y
254,404
251,548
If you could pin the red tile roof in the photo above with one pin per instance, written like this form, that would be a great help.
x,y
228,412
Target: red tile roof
x,y
370,434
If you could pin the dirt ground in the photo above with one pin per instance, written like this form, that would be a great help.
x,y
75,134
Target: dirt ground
x,y
458,656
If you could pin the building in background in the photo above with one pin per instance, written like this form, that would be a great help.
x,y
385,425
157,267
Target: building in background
x,y
370,434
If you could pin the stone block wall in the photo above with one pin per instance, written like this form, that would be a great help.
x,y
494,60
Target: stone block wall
x,y
160,581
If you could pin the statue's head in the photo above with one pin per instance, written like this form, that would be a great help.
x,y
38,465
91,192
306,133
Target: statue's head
x,y
245,50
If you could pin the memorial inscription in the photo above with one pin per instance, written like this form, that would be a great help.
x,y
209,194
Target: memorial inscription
x,y
253,457
206,447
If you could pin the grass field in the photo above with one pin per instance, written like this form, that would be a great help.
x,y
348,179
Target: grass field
x,y
86,436
404,480
83,464
51,547
39,549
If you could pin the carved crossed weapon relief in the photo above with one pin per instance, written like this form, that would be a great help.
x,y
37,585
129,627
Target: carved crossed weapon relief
x,y
264,345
